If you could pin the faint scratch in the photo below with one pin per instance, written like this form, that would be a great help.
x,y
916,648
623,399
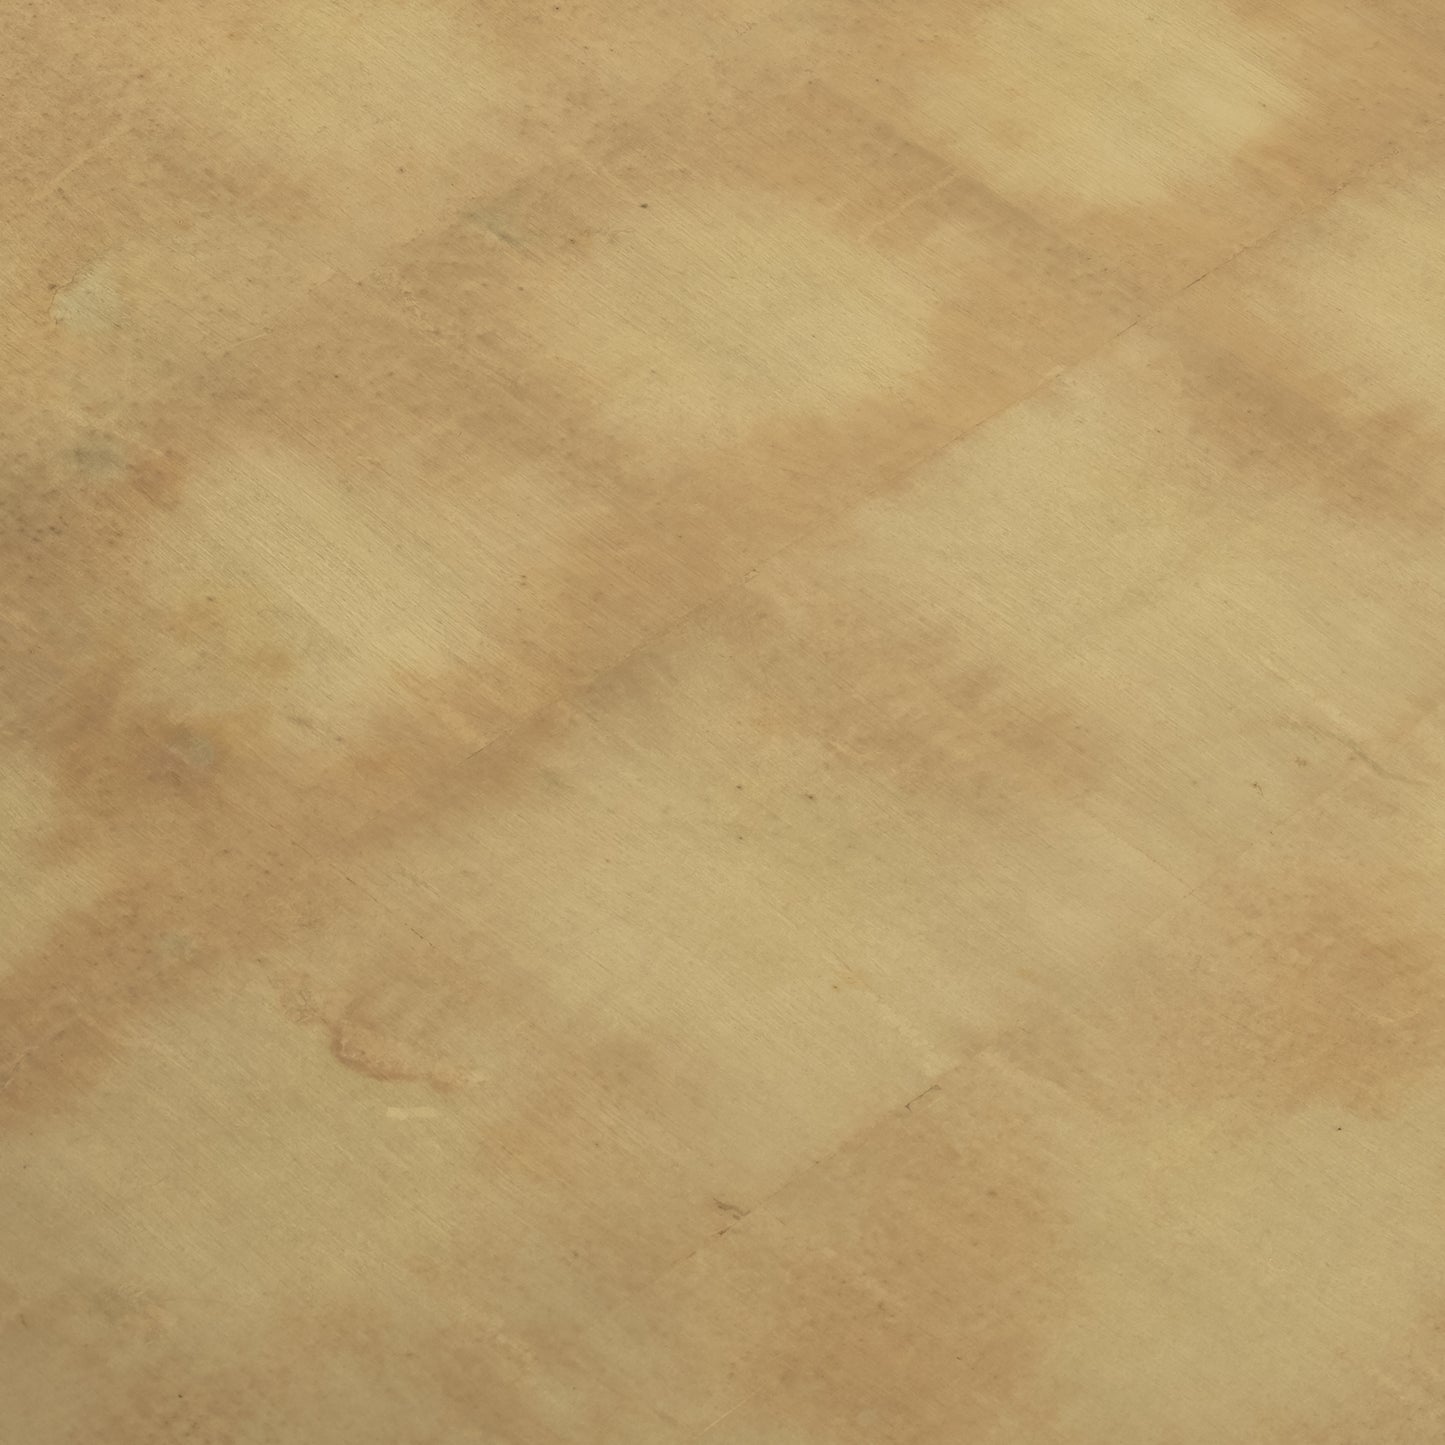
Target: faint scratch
x,y
907,204
733,1411
74,165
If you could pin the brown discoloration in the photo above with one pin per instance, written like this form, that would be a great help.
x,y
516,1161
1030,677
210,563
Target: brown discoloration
x,y
160,478
1306,977
1306,439
1081,116
945,1251
908,699
971,1309
340,380
421,506
1340,999
1280,374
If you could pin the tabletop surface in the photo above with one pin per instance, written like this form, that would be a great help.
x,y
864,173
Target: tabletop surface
x,y
722,723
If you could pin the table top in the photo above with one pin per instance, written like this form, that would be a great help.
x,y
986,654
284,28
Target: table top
x,y
722,723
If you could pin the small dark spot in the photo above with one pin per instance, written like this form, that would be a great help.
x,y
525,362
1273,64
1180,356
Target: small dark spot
x,y
644,205
810,797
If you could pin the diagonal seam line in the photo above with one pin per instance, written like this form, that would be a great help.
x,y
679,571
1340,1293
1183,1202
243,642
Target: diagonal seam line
x,y
894,479
892,1111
